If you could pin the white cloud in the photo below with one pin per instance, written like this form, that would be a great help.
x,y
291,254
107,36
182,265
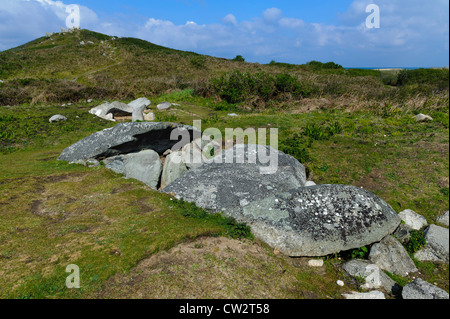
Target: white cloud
x,y
411,33
24,20
272,15
230,19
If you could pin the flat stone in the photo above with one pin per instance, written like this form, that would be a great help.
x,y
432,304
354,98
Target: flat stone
x,y
57,118
365,295
315,263
164,106
126,138
420,289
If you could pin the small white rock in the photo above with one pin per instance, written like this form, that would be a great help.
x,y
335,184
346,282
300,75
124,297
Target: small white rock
x,y
315,263
340,283
367,295
412,219
423,118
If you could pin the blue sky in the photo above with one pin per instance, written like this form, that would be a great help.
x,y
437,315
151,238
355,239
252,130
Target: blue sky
x,y
413,33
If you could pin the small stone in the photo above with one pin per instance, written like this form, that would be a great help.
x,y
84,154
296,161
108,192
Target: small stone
x,y
444,219
366,295
423,118
412,219
310,183
164,106
340,283
149,117
57,118
315,263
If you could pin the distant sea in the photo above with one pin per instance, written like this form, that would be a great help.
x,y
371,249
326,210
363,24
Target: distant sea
x,y
394,67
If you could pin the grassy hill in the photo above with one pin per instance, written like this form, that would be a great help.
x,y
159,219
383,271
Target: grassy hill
x,y
60,69
346,126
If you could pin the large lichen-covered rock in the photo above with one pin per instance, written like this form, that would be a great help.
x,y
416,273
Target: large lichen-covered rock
x,y
299,221
320,220
125,138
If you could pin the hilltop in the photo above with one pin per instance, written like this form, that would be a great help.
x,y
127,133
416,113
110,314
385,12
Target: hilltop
x,y
80,65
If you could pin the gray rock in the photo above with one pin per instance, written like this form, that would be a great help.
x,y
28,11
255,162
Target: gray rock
x,y
198,152
164,106
102,111
420,289
174,167
437,247
299,221
222,186
138,103
444,220
365,295
119,109
412,219
138,106
57,118
125,138
390,255
372,274
233,115
145,166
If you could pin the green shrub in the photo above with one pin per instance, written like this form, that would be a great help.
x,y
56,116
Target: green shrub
x,y
437,78
236,87
416,241
322,132
239,58
316,65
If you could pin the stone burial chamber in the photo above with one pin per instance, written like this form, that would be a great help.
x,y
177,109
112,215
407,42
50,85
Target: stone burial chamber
x,y
280,209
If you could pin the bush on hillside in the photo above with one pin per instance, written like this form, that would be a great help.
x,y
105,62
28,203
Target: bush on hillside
x,y
236,87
